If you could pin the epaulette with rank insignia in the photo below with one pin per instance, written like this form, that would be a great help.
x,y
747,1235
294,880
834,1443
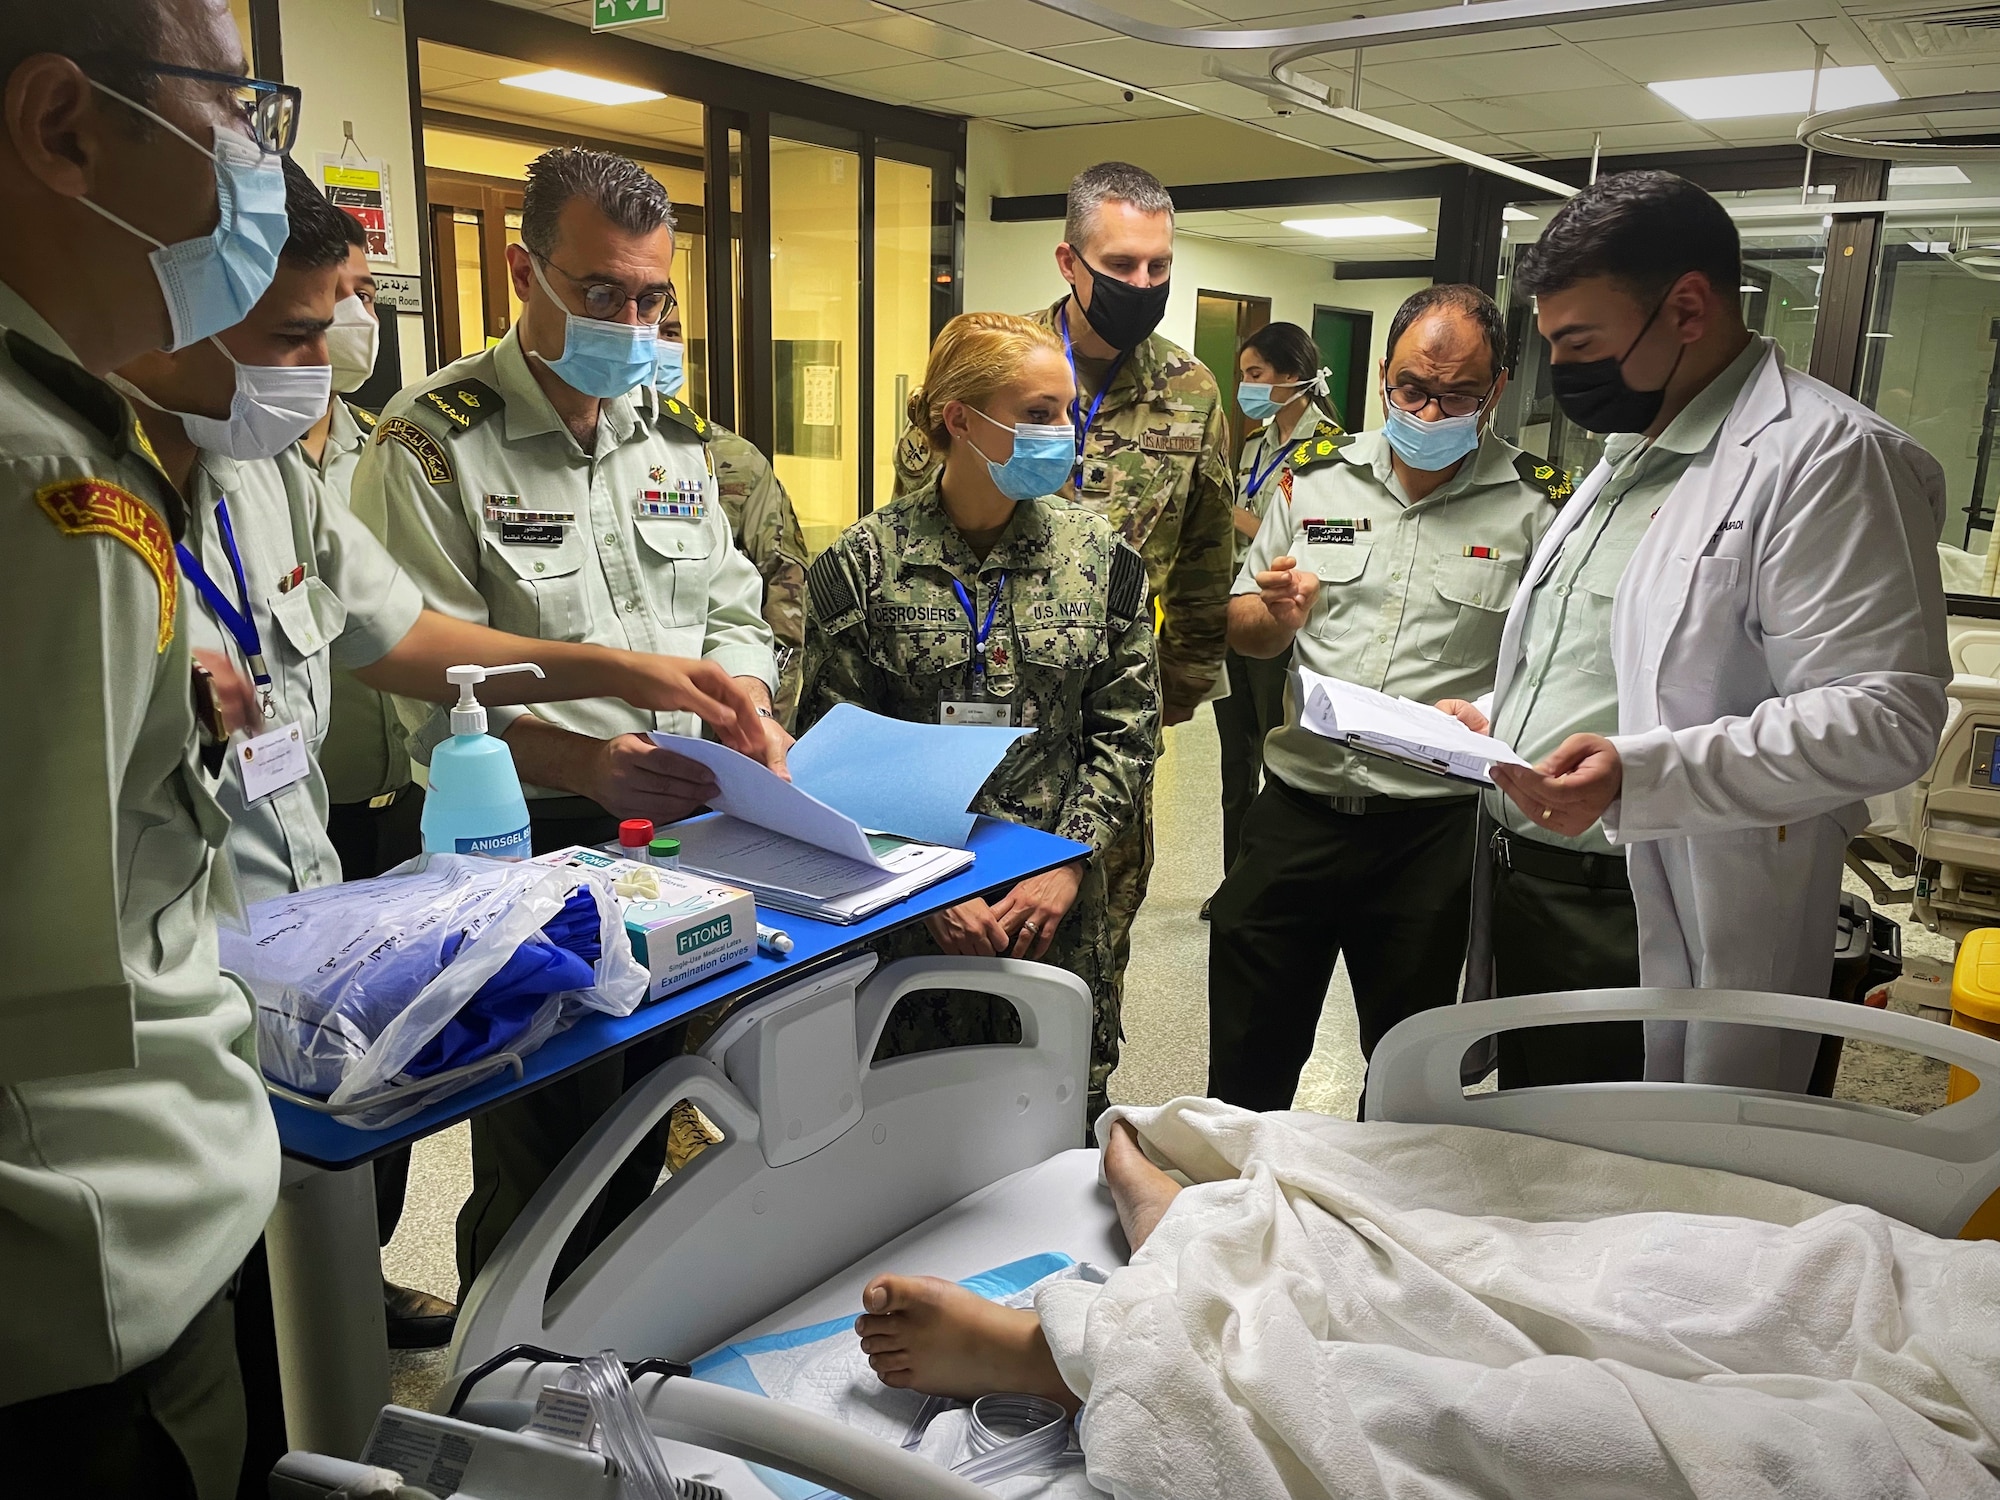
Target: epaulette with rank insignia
x,y
463,403
362,415
1125,599
1546,477
679,420
1321,448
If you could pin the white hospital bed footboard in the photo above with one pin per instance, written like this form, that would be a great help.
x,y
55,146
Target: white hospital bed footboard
x,y
828,1156
1939,1172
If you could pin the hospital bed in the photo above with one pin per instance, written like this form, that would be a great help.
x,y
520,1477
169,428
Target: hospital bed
x,y
836,1168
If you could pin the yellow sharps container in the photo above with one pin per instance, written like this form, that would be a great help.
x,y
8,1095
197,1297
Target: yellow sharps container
x,y
1975,998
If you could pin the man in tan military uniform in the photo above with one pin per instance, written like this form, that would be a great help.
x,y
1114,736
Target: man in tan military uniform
x,y
1397,575
1153,458
543,486
138,1160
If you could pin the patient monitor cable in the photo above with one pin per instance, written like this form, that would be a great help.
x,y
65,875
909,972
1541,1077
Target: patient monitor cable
x,y
628,1440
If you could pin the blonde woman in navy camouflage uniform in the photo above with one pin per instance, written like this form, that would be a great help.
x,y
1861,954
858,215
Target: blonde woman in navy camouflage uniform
x,y
980,597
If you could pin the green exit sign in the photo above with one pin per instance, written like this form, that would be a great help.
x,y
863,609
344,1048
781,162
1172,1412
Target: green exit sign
x,y
610,14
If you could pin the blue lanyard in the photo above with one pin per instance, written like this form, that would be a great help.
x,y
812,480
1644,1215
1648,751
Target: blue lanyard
x,y
1078,418
1258,476
980,633
240,624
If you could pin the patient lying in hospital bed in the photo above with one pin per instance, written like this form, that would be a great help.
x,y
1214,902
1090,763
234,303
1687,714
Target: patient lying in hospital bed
x,y
1333,1308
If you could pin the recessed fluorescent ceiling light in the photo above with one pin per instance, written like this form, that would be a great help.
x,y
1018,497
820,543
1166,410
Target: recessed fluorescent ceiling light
x,y
582,86
1926,176
1515,215
1791,93
1354,229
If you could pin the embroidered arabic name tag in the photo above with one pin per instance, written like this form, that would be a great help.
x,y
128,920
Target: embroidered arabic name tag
x,y
1334,533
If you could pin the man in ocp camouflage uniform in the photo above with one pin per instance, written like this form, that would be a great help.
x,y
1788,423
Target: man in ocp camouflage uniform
x,y
1155,460
766,530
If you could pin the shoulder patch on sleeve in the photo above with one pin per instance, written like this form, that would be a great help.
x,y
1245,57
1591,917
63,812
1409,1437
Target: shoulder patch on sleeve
x,y
94,507
913,453
1546,477
463,403
428,450
831,592
1125,600
679,420
362,415
1322,447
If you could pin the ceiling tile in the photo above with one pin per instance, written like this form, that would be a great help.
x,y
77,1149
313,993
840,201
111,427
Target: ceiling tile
x,y
1733,14
1717,51
825,12
817,51
1457,46
1576,142
1011,102
920,81
1548,69
1015,67
1086,91
1224,98
916,34
1045,119
1144,63
1425,117
1595,109
1018,23
709,23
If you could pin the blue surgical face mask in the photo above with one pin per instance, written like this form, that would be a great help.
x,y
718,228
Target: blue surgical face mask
x,y
1041,462
669,367
1254,400
1430,445
600,358
212,283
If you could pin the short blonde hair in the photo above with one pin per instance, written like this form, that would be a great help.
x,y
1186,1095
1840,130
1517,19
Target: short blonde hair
x,y
976,355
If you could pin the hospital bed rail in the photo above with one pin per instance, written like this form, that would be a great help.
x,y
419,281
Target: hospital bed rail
x,y
1939,1172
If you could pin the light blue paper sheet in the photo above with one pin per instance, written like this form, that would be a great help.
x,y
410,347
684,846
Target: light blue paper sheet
x,y
912,780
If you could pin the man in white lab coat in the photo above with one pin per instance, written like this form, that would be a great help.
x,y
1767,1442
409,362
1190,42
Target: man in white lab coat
x,y
1777,632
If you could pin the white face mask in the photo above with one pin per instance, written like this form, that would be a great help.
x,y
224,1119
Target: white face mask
x,y
273,408
351,344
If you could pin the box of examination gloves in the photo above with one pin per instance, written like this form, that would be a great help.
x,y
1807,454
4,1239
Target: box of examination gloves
x,y
683,927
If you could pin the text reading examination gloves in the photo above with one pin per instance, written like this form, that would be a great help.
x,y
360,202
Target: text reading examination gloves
x,y
1041,462
600,358
1124,315
1430,445
211,283
351,344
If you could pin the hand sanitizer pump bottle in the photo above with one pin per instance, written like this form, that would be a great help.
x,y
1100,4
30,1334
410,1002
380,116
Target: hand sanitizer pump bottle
x,y
474,805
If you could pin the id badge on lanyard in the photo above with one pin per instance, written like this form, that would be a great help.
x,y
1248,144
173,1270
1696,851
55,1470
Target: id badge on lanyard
x,y
976,708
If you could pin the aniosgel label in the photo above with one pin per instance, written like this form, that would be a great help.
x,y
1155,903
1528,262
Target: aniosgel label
x,y
515,845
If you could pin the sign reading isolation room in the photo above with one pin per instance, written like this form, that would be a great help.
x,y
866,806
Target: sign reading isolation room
x,y
607,15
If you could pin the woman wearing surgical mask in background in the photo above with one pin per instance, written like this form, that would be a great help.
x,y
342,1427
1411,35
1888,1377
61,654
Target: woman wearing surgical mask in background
x,y
980,598
1282,386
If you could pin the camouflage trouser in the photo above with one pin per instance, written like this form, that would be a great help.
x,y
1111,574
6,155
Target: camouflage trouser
x,y
929,1019
1128,866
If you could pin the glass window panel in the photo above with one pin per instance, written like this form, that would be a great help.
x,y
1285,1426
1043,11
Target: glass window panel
x,y
815,332
471,279
512,221
1931,363
904,196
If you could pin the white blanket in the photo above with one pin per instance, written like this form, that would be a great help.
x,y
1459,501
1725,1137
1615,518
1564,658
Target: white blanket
x,y
1381,1310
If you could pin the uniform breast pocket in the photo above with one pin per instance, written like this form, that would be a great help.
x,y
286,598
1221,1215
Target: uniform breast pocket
x,y
541,590
676,557
1474,594
1338,566
169,869
310,619
919,659
1064,648
1591,612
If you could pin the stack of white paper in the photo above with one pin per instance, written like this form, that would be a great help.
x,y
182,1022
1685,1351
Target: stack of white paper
x,y
792,851
1413,733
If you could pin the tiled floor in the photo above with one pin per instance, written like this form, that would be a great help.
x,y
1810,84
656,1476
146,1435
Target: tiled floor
x,y
1166,1030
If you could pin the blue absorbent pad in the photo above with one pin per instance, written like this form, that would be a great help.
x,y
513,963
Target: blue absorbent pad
x,y
912,780
821,1368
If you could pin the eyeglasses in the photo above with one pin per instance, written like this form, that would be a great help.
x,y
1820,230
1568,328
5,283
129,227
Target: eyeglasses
x,y
271,110
605,300
1413,399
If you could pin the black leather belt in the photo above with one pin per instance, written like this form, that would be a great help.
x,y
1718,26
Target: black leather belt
x,y
1362,806
1525,856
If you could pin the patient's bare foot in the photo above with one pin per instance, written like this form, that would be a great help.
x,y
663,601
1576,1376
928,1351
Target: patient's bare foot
x,y
1140,1191
923,1334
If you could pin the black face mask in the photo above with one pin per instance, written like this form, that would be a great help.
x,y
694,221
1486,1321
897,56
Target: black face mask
x,y
1124,315
1593,393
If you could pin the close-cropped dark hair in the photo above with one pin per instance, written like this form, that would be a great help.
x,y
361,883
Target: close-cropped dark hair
x,y
1645,229
1452,297
113,41
616,186
316,231
1289,350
